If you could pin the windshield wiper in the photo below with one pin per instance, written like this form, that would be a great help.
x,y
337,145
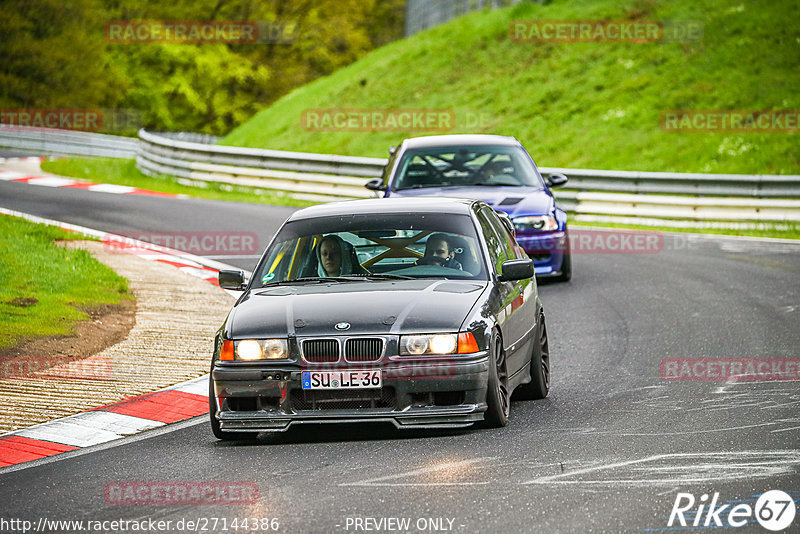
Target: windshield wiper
x,y
346,278
362,277
315,279
488,184
415,186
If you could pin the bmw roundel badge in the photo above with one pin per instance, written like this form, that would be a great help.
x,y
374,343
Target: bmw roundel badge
x,y
342,326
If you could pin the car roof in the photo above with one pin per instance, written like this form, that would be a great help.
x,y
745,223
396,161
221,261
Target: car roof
x,y
387,205
459,139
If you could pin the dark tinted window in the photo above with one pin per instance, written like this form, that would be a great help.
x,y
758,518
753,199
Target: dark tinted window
x,y
360,245
466,166
502,244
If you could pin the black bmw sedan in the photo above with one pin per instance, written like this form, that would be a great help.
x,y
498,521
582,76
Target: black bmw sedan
x,y
421,312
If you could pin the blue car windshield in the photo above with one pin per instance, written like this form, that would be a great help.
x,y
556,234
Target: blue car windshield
x,y
465,166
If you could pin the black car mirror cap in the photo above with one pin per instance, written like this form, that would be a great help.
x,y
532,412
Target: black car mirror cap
x,y
231,280
513,270
376,184
556,180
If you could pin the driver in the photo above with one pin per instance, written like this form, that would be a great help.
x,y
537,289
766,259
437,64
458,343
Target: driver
x,y
438,251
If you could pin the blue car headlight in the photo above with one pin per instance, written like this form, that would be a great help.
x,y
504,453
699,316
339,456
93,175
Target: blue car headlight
x,y
542,223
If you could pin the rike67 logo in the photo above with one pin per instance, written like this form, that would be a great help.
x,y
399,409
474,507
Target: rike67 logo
x,y
774,510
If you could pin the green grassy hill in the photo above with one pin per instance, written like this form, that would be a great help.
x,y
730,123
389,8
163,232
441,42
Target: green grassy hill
x,y
586,105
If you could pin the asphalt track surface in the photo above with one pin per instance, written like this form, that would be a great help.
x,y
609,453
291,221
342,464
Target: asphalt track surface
x,y
10,153
608,451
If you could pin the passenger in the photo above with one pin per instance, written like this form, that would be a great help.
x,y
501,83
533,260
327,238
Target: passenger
x,y
438,251
335,257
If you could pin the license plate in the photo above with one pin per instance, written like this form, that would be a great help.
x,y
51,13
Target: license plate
x,y
350,379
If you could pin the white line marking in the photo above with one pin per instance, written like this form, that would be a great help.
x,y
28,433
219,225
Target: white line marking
x,y
784,462
785,429
687,432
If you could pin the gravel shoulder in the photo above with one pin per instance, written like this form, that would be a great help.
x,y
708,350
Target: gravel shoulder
x,y
177,316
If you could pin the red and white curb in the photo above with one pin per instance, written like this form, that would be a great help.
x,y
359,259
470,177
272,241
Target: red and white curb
x,y
28,159
106,423
130,416
58,181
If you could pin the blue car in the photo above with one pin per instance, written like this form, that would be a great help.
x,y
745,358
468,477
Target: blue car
x,y
492,168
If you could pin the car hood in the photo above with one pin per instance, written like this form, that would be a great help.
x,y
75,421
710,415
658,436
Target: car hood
x,y
371,307
516,201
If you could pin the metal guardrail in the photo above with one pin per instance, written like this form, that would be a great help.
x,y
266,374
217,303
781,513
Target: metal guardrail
x,y
599,192
744,185
424,14
305,175
46,141
322,177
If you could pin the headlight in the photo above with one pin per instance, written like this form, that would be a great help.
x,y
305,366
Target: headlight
x,y
259,349
542,223
437,344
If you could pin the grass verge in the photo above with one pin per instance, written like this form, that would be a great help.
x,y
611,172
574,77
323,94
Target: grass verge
x,y
572,104
124,172
783,230
43,285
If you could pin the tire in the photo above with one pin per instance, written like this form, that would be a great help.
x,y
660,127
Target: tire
x,y
498,397
218,432
539,386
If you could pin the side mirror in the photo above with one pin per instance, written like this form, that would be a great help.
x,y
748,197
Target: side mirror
x,y
376,184
516,270
231,280
556,180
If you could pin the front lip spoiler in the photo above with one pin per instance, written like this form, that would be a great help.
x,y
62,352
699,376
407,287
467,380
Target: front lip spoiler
x,y
551,274
428,418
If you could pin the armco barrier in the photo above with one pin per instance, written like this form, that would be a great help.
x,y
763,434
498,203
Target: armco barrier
x,y
323,177
44,141
598,192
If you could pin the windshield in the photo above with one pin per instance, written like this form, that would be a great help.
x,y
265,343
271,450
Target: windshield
x,y
466,166
369,247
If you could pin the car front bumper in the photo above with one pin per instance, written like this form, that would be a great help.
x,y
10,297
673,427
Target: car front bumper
x,y
547,250
435,393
